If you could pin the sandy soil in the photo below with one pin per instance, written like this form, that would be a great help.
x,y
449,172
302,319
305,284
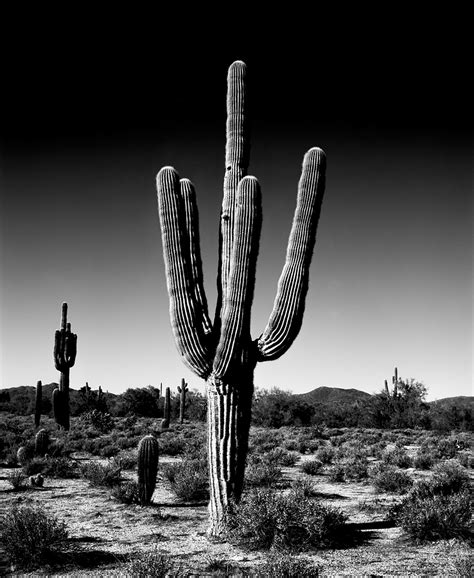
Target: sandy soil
x,y
104,533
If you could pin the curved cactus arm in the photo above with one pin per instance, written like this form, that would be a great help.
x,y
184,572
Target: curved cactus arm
x,y
57,356
188,195
184,313
70,348
237,154
287,315
235,330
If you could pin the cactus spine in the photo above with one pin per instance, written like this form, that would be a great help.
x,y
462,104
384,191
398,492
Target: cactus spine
x,y
166,409
182,390
38,403
148,453
41,442
65,348
223,352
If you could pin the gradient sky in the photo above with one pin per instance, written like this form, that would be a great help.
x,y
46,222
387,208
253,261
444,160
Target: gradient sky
x,y
391,277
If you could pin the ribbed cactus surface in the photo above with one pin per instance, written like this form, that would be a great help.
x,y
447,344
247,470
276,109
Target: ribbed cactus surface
x,y
41,442
223,352
38,403
166,409
64,354
148,454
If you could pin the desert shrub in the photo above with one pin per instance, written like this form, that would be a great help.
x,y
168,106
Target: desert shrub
x,y
172,446
282,457
260,472
447,448
279,565
291,445
304,486
465,459
397,457
101,474
150,564
450,477
126,492
17,480
355,468
28,535
435,516
265,519
325,454
336,472
424,460
312,467
387,478
101,421
127,460
60,467
188,479
263,441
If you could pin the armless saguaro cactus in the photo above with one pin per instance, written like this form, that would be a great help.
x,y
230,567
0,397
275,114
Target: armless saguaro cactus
x,y
166,409
65,348
182,390
38,403
223,353
148,452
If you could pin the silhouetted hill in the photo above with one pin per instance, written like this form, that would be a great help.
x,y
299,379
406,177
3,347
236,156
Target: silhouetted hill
x,y
333,395
459,401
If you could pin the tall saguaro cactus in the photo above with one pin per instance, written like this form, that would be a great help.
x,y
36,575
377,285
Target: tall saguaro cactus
x,y
223,352
65,348
182,390
166,409
38,403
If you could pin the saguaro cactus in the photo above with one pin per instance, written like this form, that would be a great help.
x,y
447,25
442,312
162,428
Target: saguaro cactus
x,y
223,353
182,390
166,409
38,403
65,348
41,442
148,452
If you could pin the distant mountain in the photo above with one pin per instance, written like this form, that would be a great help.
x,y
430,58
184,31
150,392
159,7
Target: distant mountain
x,y
333,395
460,400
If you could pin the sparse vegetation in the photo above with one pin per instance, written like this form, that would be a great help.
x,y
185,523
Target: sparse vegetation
x,y
98,474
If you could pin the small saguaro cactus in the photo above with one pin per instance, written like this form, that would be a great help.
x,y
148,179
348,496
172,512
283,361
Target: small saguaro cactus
x,y
65,348
41,442
148,453
223,352
182,390
38,403
166,409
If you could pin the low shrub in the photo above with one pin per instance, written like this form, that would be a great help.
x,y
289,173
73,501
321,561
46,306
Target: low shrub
x,y
397,457
336,472
325,454
101,421
172,446
17,480
188,479
450,477
435,517
312,467
260,472
304,486
60,467
127,460
424,460
265,519
153,563
28,535
387,478
127,492
98,474
447,448
282,457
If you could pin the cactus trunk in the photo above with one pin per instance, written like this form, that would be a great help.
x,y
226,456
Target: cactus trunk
x,y
38,403
182,389
64,354
167,409
148,453
223,352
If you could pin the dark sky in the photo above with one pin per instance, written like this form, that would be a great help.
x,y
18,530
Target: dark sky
x,y
90,116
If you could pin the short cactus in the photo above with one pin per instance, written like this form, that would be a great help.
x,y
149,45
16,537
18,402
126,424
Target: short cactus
x,y
64,354
38,403
182,390
166,410
148,453
41,442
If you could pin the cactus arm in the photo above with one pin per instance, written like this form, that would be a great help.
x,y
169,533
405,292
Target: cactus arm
x,y
236,164
64,317
188,194
287,315
235,331
186,324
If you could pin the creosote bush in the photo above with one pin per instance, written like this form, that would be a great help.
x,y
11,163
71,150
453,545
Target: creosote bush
x,y
28,535
17,480
188,479
126,492
265,519
261,472
397,457
387,478
154,563
97,474
60,467
282,565
312,467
